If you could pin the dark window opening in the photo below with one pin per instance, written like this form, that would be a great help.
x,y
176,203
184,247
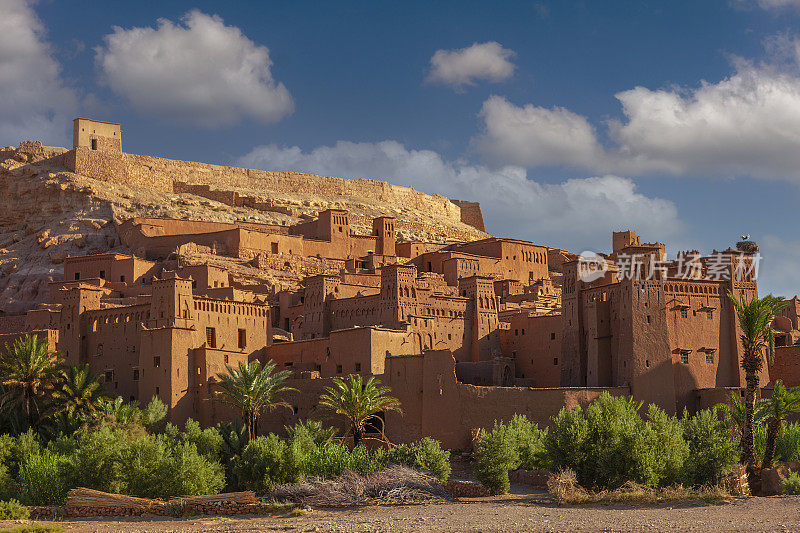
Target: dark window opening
x,y
685,357
338,369
156,362
135,374
109,376
555,361
102,274
211,337
358,367
77,276
122,279
242,338
94,144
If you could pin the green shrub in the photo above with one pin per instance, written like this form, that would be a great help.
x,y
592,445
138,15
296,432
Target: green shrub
x,y
669,446
207,441
153,466
495,455
333,459
153,416
310,434
713,454
327,461
95,458
529,441
787,445
424,454
40,479
609,444
791,485
267,461
13,510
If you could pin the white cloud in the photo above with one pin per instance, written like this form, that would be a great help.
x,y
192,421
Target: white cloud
x,y
484,61
34,102
199,71
535,136
577,213
745,125
778,4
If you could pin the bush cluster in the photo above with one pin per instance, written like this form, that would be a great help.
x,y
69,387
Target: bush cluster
x,y
609,443
120,455
517,444
310,452
108,458
791,485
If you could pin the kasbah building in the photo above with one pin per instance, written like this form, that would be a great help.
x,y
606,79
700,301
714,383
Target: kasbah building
x,y
464,333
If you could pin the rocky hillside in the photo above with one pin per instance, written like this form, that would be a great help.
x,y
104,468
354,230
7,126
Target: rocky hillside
x,y
48,213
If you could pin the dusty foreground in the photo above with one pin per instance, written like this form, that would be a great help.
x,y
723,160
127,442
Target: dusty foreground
x,y
521,511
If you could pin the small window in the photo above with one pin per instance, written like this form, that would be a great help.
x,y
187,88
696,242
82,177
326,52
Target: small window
x,y
226,359
555,361
647,363
338,369
648,319
77,276
157,391
274,247
358,367
710,357
135,374
109,376
102,274
122,279
685,357
684,312
523,331
242,338
552,336
94,144
516,332
211,337
710,314
156,362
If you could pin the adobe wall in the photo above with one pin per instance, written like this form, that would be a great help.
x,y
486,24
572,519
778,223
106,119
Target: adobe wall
x,y
148,171
435,404
471,213
534,342
786,366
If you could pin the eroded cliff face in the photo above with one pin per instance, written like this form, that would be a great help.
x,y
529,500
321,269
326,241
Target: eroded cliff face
x,y
48,213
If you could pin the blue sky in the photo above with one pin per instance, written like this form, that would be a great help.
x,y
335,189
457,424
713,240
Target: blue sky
x,y
566,120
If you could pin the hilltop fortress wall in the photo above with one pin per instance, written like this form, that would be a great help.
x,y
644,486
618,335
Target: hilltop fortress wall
x,y
107,162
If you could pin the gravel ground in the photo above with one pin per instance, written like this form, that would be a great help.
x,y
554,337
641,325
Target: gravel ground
x,y
522,510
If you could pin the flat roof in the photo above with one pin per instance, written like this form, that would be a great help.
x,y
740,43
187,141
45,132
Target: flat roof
x,y
95,120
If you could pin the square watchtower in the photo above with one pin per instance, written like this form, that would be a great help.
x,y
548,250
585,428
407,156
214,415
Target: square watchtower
x,y
96,135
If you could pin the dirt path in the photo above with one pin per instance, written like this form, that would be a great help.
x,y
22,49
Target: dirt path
x,y
522,510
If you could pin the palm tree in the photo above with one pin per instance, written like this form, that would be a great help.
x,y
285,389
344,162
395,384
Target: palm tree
x,y
358,401
783,402
758,339
79,393
737,414
252,389
28,373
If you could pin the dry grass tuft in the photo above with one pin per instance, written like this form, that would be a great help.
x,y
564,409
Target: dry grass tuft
x,y
565,490
396,484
